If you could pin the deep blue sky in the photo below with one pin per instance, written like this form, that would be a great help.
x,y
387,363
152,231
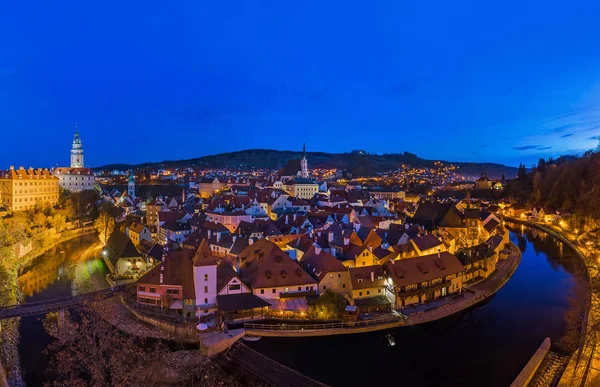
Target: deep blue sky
x,y
482,81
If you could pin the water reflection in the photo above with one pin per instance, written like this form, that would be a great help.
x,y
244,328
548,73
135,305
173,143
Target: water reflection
x,y
485,345
61,263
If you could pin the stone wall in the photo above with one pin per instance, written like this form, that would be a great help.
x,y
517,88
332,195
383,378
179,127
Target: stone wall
x,y
532,365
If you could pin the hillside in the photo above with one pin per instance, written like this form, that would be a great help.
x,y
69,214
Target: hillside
x,y
357,162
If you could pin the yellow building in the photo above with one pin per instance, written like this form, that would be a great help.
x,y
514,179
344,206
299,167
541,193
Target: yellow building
x,y
208,186
21,189
302,188
424,279
370,289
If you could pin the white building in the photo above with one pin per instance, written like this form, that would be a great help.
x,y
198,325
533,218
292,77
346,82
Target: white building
x,y
205,280
75,178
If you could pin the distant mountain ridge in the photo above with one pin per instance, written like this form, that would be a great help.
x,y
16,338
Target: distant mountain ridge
x,y
359,163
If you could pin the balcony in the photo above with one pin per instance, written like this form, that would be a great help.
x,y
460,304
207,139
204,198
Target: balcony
x,y
306,293
424,289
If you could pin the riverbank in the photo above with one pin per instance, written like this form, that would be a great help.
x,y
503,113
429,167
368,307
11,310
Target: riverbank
x,y
474,294
419,314
25,261
584,366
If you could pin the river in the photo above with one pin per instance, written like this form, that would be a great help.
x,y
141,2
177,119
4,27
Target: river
x,y
59,272
487,345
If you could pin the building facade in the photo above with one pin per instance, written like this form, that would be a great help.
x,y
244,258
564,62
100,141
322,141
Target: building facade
x,y
75,178
77,151
22,189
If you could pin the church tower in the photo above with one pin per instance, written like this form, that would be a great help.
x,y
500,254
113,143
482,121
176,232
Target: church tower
x,y
77,150
304,164
131,186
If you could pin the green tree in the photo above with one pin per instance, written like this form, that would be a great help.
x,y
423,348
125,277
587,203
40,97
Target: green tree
x,y
105,225
328,306
59,222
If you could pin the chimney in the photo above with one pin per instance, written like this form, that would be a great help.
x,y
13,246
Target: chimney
x,y
218,236
286,219
161,278
346,241
209,234
330,236
294,217
371,249
250,241
317,250
372,276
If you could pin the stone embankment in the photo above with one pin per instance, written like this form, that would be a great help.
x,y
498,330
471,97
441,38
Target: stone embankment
x,y
584,365
532,366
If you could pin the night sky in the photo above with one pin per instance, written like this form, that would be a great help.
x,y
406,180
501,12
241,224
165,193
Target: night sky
x,y
507,81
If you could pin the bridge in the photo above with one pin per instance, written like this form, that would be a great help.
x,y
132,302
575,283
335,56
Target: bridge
x,y
57,304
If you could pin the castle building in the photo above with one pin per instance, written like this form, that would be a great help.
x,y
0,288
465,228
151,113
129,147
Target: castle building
x,y
77,151
75,178
21,189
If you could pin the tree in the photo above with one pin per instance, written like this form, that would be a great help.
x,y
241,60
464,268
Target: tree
x,y
522,173
105,225
92,352
59,222
328,306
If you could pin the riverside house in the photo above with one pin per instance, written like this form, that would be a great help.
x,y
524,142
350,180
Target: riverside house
x,y
370,289
328,270
170,285
276,278
121,256
427,278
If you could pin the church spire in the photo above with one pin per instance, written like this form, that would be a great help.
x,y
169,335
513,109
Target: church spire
x,y
304,163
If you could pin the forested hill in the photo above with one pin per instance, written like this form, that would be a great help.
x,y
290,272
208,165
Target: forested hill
x,y
568,184
359,163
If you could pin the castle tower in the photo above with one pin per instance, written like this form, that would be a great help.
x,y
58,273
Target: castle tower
x,y
131,186
76,150
304,164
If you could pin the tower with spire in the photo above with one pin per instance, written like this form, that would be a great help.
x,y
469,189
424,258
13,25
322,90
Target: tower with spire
x,y
304,163
131,186
77,150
